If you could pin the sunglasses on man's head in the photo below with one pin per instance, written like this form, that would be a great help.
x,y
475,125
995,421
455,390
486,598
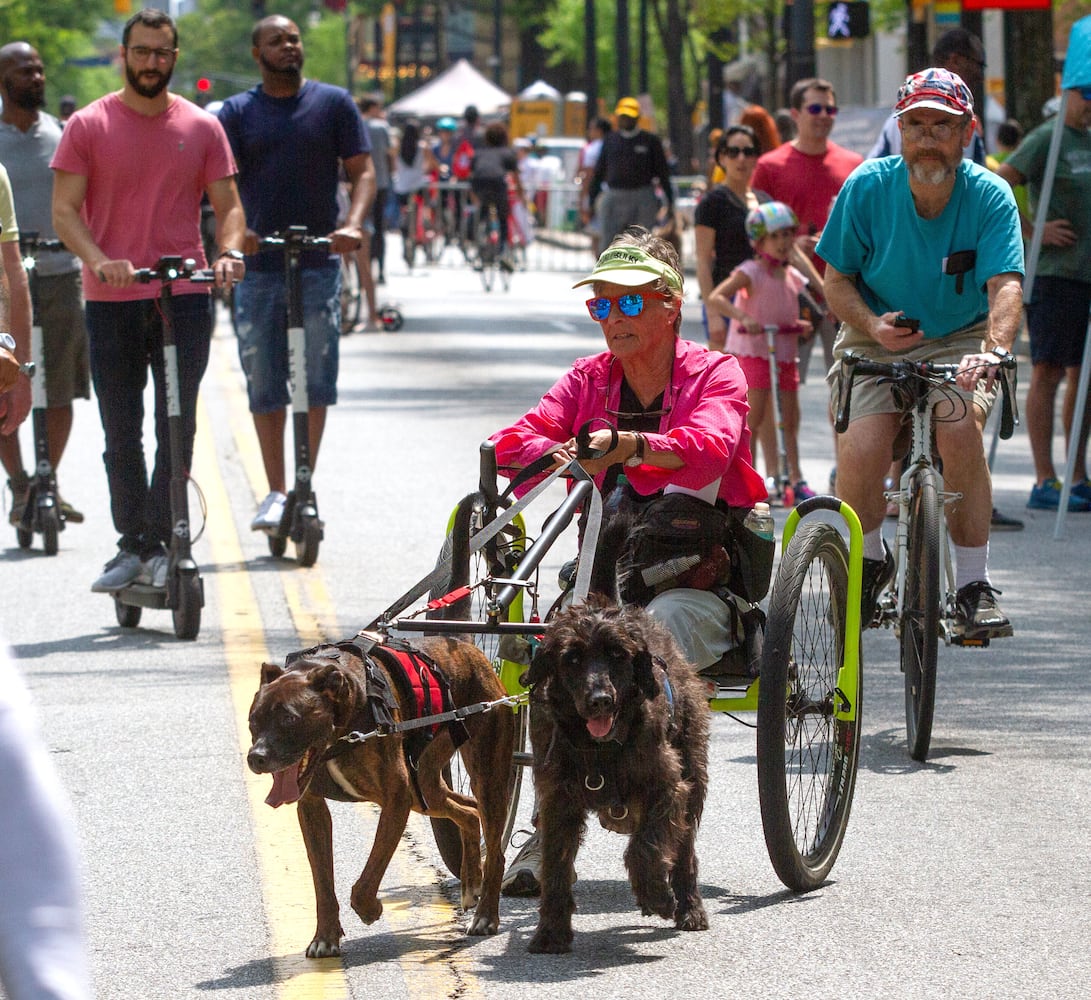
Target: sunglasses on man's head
x,y
735,151
817,109
630,304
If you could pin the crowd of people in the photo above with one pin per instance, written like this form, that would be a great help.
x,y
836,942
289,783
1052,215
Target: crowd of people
x,y
795,233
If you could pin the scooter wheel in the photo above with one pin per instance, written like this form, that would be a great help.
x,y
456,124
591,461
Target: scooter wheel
x,y
306,549
24,537
187,613
278,545
51,526
128,615
391,318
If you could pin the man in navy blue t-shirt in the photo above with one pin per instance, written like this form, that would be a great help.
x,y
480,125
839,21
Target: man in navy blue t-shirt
x,y
291,137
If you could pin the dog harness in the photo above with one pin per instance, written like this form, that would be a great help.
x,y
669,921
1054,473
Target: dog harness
x,y
422,691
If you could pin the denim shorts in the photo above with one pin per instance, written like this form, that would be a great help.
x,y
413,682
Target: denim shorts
x,y
1057,320
261,319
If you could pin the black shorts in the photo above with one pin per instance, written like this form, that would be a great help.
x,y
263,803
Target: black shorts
x,y
1057,317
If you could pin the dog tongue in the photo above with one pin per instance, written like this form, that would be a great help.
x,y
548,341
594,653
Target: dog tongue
x,y
285,787
600,727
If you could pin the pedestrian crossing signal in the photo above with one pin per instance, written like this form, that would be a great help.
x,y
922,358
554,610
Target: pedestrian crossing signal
x,y
848,20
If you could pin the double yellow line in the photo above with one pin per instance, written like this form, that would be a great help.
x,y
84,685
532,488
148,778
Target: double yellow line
x,y
430,965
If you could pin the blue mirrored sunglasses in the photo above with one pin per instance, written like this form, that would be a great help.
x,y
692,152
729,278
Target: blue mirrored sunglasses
x,y
631,304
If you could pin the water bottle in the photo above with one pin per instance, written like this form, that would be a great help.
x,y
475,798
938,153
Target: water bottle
x,y
760,521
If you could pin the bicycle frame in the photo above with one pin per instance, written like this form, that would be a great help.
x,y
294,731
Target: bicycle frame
x,y
921,424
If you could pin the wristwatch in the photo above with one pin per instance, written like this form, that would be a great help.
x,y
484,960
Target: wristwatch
x,y
1001,352
233,254
637,457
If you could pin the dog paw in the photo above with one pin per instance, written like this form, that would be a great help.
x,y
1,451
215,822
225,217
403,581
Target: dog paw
x,y
550,942
482,926
368,910
659,904
322,948
693,919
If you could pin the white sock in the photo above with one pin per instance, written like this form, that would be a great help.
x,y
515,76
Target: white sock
x,y
873,545
971,564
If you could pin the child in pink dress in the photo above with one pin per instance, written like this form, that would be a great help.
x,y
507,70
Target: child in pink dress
x,y
764,291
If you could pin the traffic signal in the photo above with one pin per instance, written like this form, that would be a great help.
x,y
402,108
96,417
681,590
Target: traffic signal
x,y
848,19
204,86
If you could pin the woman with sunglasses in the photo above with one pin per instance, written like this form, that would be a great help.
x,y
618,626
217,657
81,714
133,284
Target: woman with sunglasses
x,y
679,409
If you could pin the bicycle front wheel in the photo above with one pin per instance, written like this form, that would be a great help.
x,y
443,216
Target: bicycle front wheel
x,y
808,730
500,557
920,615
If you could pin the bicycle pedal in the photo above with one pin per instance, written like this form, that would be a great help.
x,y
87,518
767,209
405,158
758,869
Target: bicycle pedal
x,y
969,642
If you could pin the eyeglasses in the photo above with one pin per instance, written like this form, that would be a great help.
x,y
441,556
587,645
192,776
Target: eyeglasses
x,y
631,304
732,152
142,52
817,109
941,131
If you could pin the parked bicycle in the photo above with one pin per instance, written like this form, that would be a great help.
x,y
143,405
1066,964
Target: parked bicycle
x,y
920,605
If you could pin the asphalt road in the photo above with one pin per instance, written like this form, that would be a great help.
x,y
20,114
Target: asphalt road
x,y
960,877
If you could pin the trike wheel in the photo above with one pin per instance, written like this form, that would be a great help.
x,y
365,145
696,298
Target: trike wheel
x,y
51,527
808,728
189,597
499,557
920,612
24,537
278,545
128,615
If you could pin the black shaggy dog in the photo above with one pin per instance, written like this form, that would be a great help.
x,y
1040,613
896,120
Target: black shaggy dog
x,y
619,724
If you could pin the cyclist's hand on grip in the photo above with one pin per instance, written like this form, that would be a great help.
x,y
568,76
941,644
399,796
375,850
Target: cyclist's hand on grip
x,y
597,450
116,273
228,271
975,367
346,239
891,331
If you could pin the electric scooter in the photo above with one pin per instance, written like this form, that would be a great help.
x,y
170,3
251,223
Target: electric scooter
x,y
300,521
184,593
42,514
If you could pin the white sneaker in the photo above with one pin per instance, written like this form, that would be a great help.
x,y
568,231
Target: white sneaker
x,y
153,570
522,876
269,513
118,573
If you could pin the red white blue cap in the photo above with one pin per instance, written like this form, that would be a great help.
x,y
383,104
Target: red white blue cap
x,y
935,88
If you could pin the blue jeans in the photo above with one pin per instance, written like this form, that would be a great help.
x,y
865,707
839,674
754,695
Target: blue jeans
x,y
262,323
125,339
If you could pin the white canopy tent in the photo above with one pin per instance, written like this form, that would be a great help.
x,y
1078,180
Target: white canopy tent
x,y
1077,74
539,90
450,93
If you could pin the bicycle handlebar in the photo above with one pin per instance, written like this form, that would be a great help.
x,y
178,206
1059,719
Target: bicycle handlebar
x,y
175,269
295,239
903,370
30,243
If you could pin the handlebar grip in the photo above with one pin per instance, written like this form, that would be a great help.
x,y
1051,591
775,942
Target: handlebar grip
x,y
1009,413
488,474
844,392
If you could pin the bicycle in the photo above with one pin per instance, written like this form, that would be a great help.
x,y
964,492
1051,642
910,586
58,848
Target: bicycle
x,y
490,259
807,694
917,606
418,228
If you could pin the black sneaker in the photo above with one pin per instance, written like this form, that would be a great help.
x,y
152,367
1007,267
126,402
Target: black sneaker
x,y
876,577
1001,522
977,615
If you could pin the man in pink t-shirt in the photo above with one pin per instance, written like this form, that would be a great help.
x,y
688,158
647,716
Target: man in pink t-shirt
x,y
129,175
806,174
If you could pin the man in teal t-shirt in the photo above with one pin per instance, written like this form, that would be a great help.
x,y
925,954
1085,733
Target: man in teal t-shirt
x,y
1061,297
934,237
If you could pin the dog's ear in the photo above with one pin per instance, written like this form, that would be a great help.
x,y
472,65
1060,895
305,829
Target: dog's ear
x,y
270,672
330,682
643,674
541,666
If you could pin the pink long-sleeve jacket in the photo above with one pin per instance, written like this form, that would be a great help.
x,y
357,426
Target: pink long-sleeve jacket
x,y
705,423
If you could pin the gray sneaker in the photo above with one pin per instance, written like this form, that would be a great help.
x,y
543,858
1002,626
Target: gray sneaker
x,y
269,513
153,570
521,878
118,573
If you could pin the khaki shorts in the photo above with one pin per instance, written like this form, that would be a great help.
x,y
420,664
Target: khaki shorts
x,y
64,338
870,397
